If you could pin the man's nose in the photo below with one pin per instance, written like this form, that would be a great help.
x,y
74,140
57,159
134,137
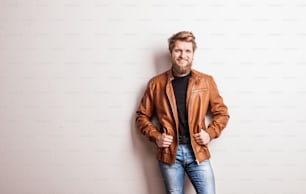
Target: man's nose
x,y
183,54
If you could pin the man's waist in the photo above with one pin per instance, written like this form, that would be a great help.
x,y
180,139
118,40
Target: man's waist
x,y
184,139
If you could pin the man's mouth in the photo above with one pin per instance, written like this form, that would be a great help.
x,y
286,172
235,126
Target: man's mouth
x,y
183,61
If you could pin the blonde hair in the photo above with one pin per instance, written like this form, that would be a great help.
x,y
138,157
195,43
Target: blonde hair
x,y
182,36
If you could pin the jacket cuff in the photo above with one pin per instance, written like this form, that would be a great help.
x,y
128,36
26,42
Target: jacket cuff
x,y
153,136
211,132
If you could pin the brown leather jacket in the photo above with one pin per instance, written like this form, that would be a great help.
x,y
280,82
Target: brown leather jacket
x,y
159,100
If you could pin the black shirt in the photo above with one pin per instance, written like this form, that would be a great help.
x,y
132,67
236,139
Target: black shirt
x,y
179,85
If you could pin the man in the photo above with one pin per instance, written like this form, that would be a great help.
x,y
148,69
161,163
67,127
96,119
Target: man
x,y
180,99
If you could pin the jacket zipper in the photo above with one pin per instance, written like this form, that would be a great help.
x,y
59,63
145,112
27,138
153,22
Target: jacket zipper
x,y
190,95
172,110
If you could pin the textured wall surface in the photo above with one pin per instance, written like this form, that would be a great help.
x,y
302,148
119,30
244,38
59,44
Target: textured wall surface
x,y
72,73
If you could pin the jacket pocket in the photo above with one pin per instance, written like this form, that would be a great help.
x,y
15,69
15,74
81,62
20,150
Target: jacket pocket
x,y
199,90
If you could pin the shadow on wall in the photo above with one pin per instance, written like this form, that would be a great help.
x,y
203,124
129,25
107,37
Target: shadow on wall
x,y
145,150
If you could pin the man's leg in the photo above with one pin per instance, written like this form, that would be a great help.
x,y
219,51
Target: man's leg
x,y
173,174
201,176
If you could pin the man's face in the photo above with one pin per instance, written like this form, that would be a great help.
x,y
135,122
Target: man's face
x,y
181,58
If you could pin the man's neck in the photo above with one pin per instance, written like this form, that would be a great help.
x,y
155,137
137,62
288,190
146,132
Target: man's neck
x,y
176,74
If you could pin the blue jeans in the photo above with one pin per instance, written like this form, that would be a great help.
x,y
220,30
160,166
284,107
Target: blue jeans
x,y
201,175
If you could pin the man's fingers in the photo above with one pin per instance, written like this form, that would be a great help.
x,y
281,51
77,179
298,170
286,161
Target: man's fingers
x,y
202,138
165,140
167,137
168,140
197,135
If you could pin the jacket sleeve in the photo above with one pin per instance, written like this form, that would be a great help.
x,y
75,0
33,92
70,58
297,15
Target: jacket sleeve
x,y
219,111
144,115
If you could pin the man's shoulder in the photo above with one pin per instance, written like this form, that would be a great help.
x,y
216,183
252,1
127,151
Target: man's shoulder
x,y
162,77
201,75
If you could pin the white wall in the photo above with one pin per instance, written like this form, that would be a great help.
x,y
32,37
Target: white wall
x,y
72,73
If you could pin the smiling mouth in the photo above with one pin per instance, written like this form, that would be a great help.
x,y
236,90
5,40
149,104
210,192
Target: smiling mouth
x,y
183,61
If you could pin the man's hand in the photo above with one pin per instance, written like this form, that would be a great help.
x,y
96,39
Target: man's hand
x,y
202,138
164,140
